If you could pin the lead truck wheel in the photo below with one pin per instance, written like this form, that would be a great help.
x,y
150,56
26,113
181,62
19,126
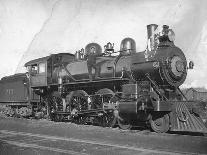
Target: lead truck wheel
x,y
124,123
160,124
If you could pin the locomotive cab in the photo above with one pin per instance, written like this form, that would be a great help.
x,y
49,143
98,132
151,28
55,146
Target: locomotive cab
x,y
57,67
37,70
42,71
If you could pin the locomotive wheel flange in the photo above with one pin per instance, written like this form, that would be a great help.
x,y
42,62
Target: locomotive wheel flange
x,y
160,124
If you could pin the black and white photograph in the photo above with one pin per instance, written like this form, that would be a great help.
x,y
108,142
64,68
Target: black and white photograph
x,y
103,77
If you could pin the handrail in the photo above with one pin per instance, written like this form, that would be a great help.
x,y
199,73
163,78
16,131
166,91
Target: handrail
x,y
156,87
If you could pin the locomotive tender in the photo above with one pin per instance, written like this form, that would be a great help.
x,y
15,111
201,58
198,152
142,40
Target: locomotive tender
x,y
125,87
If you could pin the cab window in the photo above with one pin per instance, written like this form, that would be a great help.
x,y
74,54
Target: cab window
x,y
29,68
34,69
42,68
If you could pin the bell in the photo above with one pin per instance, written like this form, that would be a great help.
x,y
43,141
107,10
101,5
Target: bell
x,y
110,46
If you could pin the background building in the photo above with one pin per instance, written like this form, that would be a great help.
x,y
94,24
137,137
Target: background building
x,y
195,94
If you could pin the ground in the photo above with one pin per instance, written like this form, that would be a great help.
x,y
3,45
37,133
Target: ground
x,y
24,136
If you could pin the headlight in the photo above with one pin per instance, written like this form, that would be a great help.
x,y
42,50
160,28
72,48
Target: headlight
x,y
171,35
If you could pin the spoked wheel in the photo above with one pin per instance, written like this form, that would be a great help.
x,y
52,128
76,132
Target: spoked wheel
x,y
57,101
124,124
105,99
111,120
107,120
57,105
160,124
77,101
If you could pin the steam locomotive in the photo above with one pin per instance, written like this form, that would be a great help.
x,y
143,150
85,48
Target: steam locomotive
x,y
109,87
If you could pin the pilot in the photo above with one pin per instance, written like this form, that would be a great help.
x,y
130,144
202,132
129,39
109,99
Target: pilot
x,y
91,63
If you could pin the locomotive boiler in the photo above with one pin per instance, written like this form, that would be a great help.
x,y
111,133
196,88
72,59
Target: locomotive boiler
x,y
166,64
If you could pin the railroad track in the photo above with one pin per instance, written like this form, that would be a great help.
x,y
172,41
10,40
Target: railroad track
x,y
134,130
69,138
69,145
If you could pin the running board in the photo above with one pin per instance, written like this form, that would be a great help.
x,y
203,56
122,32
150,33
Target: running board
x,y
87,112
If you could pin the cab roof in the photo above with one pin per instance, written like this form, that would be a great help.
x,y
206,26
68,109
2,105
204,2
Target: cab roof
x,y
44,59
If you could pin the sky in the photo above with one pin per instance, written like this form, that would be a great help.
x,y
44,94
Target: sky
x,y
31,29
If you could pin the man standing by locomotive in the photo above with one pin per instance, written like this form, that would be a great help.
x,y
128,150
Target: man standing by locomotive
x,y
91,63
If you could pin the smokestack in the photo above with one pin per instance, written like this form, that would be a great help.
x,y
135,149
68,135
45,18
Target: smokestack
x,y
151,36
